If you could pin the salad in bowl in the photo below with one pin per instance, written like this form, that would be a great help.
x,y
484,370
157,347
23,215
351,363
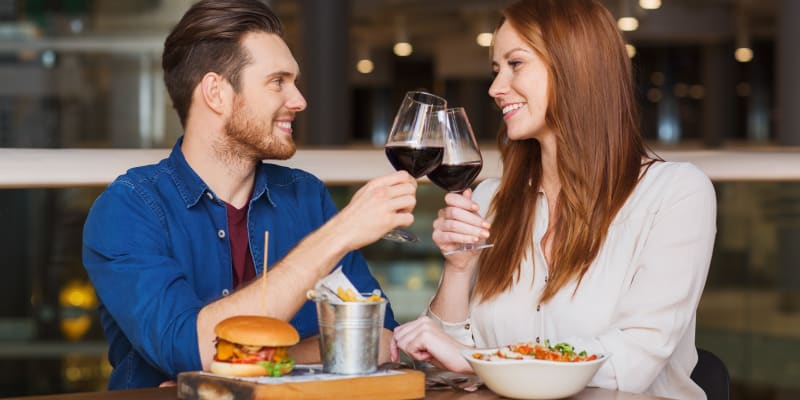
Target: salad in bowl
x,y
535,371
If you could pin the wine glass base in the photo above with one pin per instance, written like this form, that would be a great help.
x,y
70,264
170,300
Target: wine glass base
x,y
400,236
468,247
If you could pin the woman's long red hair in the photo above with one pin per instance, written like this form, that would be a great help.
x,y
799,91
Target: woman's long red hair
x,y
592,111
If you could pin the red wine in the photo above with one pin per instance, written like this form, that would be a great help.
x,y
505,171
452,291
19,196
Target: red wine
x,y
455,177
417,161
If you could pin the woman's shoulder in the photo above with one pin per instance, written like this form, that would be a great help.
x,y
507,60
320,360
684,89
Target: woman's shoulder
x,y
665,183
678,176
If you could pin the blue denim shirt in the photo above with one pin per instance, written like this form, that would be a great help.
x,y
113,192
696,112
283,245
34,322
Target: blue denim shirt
x,y
156,248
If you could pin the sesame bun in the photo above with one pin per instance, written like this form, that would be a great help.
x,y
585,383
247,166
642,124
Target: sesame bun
x,y
252,330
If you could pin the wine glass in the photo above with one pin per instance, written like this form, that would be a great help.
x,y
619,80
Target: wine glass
x,y
414,144
461,161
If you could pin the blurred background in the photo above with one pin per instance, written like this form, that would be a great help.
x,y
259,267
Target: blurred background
x,y
712,76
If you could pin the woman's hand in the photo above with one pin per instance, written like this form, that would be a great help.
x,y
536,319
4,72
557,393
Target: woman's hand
x,y
424,340
459,223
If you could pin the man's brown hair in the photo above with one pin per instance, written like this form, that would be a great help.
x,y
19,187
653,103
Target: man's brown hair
x,y
208,39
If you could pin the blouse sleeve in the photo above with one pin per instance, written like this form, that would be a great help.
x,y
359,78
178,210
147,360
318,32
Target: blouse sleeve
x,y
459,331
661,298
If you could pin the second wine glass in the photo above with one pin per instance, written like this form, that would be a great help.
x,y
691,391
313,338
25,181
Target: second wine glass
x,y
461,161
414,144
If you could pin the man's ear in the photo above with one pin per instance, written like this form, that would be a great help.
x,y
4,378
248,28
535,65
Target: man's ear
x,y
214,90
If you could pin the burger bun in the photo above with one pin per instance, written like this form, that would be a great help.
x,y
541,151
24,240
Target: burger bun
x,y
255,330
231,369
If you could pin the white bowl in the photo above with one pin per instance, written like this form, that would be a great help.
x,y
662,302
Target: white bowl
x,y
533,379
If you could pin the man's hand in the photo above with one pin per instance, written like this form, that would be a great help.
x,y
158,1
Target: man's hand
x,y
379,206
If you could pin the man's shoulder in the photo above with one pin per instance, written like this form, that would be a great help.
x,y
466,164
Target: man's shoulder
x,y
144,174
145,180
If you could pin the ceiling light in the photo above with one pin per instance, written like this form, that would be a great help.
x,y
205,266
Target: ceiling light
x,y
484,39
650,4
402,46
628,24
403,49
743,54
631,50
365,66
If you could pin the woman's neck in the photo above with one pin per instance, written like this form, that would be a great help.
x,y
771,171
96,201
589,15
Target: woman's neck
x,y
551,183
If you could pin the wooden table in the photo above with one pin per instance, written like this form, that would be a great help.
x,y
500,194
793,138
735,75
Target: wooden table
x,y
170,393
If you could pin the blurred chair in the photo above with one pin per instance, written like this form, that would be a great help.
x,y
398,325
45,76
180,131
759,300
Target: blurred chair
x,y
711,375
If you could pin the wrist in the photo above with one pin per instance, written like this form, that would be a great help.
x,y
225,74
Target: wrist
x,y
335,235
459,271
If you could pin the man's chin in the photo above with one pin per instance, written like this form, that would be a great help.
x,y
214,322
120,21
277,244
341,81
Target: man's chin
x,y
279,154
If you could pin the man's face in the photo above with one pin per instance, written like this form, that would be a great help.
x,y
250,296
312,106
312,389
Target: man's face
x,y
260,125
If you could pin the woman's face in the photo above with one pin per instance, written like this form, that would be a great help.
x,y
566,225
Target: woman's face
x,y
520,85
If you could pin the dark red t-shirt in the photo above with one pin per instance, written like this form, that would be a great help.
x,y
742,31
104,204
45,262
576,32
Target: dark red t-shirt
x,y
243,268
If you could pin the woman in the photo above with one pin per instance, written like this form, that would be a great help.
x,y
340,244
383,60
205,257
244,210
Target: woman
x,y
596,242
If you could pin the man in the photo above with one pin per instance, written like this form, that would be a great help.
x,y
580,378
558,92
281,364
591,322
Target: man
x,y
166,244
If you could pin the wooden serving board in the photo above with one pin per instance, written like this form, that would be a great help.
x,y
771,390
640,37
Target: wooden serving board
x,y
306,382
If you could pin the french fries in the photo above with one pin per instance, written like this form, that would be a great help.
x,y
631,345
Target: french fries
x,y
350,295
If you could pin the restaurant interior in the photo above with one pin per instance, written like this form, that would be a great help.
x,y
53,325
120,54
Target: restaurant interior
x,y
718,84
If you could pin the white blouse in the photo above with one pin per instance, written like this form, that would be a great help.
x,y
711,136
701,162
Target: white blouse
x,y
638,300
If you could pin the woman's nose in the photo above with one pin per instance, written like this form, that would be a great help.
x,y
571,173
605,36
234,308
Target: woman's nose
x,y
498,87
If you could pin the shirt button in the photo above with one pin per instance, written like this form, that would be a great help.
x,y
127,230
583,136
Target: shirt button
x,y
210,196
221,234
225,292
466,326
538,307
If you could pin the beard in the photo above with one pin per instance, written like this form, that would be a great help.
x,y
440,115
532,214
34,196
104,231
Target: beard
x,y
253,138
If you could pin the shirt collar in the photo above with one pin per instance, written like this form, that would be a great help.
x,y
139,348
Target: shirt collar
x,y
191,187
260,185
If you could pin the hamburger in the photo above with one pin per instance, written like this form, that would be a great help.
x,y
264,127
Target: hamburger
x,y
251,345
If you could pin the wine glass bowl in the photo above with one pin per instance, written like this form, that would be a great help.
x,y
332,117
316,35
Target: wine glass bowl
x,y
461,162
414,143
461,159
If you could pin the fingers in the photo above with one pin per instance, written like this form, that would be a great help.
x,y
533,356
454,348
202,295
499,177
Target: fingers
x,y
397,194
463,201
455,225
452,218
380,205
393,179
394,354
424,339
415,337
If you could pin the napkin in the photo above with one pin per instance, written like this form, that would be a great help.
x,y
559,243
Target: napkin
x,y
331,285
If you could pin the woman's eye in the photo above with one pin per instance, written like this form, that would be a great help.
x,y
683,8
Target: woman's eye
x,y
514,64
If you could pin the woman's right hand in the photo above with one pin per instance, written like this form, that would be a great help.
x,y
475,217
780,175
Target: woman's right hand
x,y
459,223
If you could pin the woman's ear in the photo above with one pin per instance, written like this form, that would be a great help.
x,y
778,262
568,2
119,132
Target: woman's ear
x,y
213,90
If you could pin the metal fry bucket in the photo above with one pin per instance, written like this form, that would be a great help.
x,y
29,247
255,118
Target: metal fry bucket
x,y
350,335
